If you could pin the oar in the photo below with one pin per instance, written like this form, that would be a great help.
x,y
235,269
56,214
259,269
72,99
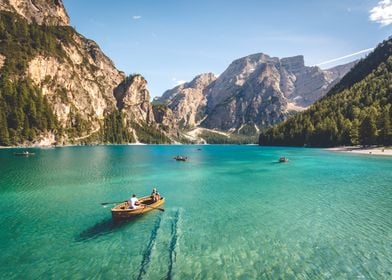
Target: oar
x,y
106,203
157,208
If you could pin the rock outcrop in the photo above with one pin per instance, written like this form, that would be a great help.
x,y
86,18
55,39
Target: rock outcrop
x,y
38,11
133,98
188,101
82,85
255,91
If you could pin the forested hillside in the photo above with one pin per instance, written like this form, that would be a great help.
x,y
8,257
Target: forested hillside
x,y
24,111
56,84
356,111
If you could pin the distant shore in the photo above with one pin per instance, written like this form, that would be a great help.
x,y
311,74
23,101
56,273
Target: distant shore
x,y
378,151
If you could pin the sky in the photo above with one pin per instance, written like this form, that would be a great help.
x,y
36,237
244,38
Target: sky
x,y
171,41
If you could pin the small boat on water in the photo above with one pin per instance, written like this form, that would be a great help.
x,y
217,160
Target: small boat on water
x,y
25,153
180,158
283,159
122,211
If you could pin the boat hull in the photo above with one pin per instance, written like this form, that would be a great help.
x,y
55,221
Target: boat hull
x,y
122,211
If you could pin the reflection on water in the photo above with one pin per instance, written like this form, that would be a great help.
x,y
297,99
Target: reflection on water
x,y
100,228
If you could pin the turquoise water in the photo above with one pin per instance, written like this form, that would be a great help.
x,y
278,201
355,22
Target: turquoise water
x,y
232,212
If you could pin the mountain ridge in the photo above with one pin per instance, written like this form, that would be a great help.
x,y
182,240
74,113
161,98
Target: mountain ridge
x,y
77,87
255,91
357,110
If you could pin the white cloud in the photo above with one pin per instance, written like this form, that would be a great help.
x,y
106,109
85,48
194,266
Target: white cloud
x,y
178,82
136,17
346,56
382,13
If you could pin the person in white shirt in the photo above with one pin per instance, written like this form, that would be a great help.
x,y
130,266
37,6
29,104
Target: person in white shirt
x,y
133,202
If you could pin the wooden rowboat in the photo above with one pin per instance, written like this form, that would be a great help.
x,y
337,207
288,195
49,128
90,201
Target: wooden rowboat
x,y
283,159
122,211
180,158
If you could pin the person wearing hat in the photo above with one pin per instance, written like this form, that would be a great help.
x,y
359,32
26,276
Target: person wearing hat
x,y
133,202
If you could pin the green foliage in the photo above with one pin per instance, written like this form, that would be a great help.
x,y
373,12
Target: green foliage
x,y
24,111
368,131
356,111
364,67
21,41
150,134
114,129
248,129
385,133
217,138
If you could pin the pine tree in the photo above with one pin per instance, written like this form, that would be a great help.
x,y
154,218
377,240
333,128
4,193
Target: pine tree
x,y
354,132
4,135
368,131
385,135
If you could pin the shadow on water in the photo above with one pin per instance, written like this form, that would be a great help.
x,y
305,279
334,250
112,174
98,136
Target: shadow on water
x,y
102,228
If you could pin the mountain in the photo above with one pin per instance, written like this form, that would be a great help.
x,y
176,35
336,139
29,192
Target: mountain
x,y
56,86
188,101
41,12
357,110
254,92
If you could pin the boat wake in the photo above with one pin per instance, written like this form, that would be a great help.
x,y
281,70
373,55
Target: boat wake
x,y
160,255
148,252
173,244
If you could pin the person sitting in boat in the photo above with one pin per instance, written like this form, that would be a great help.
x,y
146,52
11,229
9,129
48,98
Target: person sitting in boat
x,y
133,202
155,196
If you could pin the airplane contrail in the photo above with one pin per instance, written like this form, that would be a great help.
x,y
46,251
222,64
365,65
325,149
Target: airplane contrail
x,y
346,56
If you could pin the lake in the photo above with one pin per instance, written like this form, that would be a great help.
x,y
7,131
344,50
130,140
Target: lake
x,y
231,212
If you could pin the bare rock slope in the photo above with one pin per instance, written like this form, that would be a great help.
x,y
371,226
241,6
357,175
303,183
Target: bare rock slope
x,y
255,91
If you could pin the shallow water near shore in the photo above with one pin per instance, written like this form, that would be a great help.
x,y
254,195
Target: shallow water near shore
x,y
232,212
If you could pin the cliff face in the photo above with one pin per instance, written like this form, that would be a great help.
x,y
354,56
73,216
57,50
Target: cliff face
x,y
188,101
81,84
38,11
133,98
253,92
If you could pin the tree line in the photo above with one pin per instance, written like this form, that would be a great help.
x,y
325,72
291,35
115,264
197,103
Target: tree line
x,y
354,114
24,111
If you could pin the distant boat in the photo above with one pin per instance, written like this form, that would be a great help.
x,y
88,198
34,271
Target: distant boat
x,y
25,153
122,211
283,159
180,158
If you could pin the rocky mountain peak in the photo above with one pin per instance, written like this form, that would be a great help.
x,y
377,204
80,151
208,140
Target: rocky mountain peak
x,y
255,91
201,80
133,98
293,64
245,66
42,12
